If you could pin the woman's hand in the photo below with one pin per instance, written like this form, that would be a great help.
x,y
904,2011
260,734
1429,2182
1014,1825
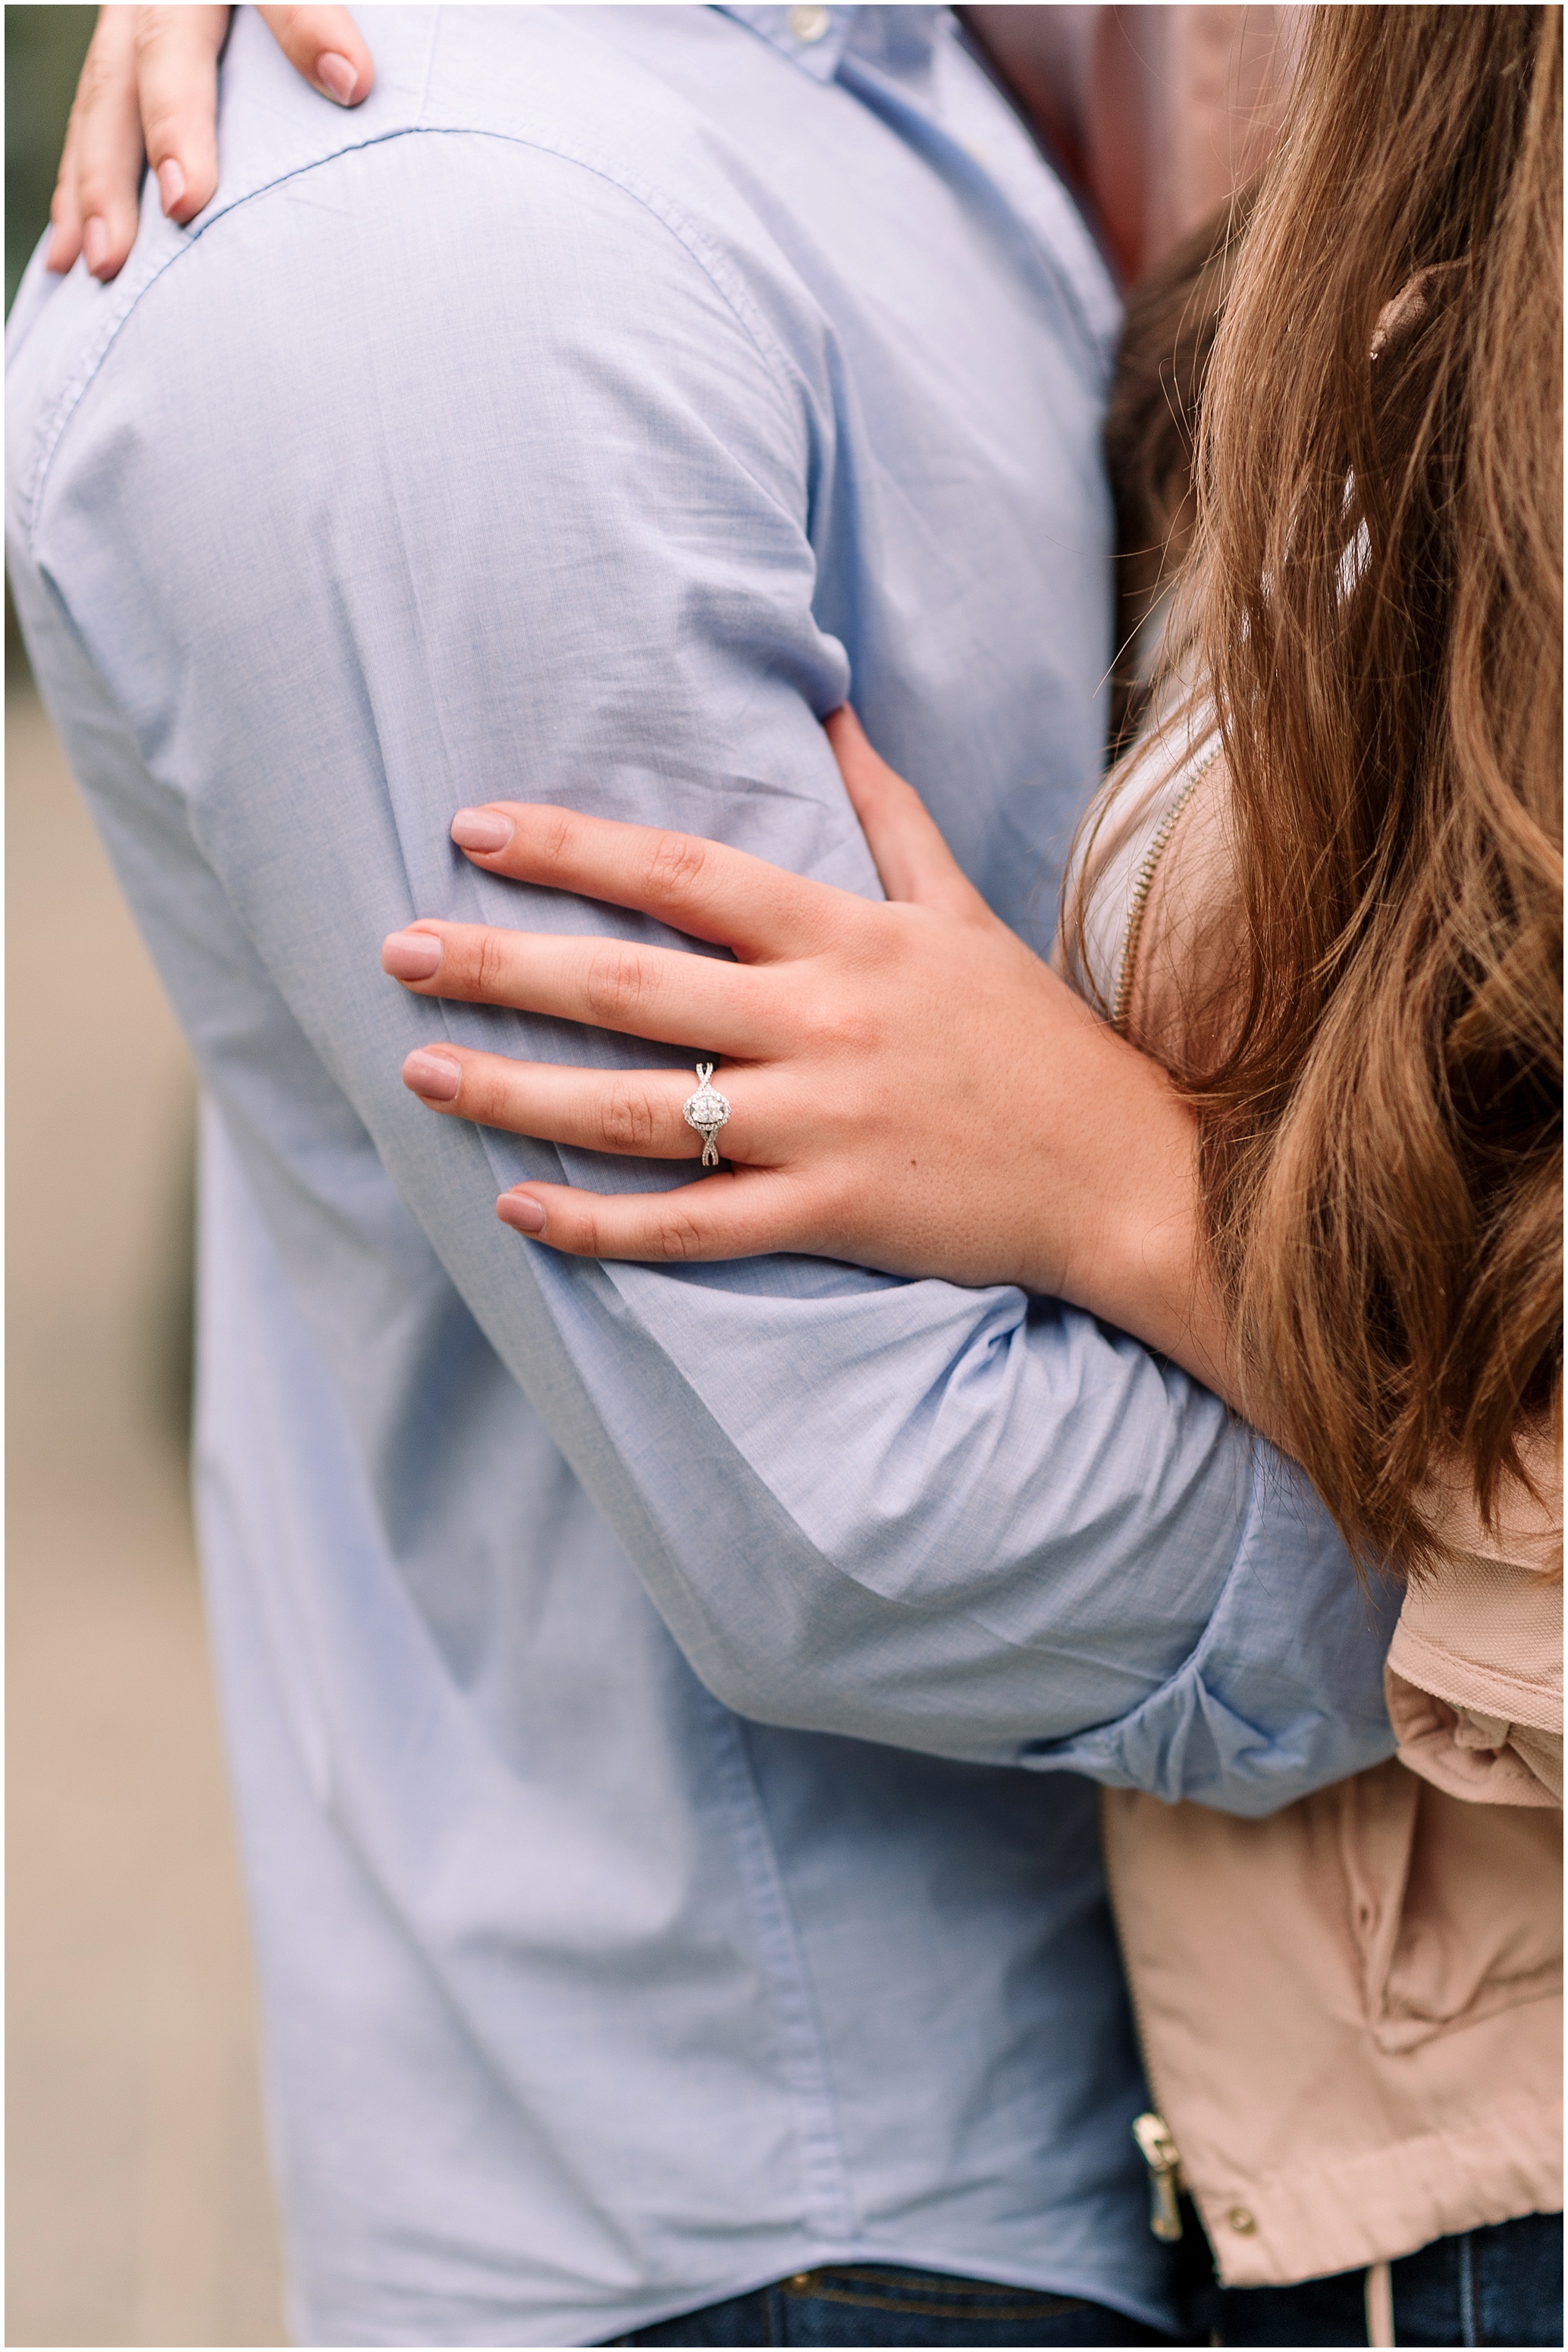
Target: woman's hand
x,y
149,88
910,1088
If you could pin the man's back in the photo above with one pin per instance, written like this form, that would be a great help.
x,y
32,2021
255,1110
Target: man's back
x,y
577,422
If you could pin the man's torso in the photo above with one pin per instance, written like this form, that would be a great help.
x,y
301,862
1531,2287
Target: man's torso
x,y
588,2002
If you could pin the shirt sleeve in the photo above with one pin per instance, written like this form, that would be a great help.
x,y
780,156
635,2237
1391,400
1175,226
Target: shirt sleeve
x,y
424,479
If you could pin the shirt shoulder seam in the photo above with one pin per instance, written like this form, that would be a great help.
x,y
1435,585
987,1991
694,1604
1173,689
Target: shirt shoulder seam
x,y
698,248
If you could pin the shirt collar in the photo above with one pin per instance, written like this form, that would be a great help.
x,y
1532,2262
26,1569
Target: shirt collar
x,y
900,40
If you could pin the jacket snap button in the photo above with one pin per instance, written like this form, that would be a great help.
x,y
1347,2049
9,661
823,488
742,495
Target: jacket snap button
x,y
1240,2219
803,2282
808,24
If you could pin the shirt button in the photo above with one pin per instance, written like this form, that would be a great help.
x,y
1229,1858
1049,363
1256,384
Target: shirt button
x,y
809,24
1241,2220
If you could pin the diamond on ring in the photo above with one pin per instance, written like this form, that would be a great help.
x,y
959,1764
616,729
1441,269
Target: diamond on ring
x,y
707,1111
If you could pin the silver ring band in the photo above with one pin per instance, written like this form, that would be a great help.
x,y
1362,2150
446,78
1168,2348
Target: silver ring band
x,y
707,1111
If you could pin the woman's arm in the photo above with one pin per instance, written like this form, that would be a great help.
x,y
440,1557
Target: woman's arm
x,y
911,1089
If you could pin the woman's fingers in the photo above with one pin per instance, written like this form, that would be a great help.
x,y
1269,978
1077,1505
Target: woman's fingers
x,y
325,45
95,206
695,886
724,1216
914,860
659,993
635,1113
149,88
177,52
175,59
65,219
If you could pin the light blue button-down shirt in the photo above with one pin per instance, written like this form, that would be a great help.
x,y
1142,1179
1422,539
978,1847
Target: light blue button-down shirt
x,y
627,1671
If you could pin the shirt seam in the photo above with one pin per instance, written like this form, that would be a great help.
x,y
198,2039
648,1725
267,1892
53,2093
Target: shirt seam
x,y
828,2196
651,200
809,2252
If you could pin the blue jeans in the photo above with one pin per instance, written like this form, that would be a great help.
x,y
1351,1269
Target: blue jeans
x,y
1502,2285
874,2303
1499,2286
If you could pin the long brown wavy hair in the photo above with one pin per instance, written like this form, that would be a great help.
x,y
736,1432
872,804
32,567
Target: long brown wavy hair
x,y
1373,597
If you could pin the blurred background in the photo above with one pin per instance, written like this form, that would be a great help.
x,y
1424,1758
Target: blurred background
x,y
138,2204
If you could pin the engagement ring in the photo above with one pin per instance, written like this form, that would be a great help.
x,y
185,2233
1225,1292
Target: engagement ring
x,y
707,1111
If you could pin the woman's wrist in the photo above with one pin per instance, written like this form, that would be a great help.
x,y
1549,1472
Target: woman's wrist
x,y
1135,1253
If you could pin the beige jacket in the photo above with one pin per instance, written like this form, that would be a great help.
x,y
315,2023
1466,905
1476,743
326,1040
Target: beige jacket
x,y
1475,1669
1350,2012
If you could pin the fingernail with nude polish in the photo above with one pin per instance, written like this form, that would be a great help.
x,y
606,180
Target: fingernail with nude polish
x,y
95,243
522,1211
411,955
482,829
336,76
436,1076
171,183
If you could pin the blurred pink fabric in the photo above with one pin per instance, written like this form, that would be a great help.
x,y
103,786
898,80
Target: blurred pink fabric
x,y
1155,114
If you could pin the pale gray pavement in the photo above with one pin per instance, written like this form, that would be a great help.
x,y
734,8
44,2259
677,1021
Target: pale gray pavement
x,y
139,2210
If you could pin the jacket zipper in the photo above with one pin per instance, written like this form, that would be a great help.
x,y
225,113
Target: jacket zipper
x,y
1152,2133
1141,888
1156,2142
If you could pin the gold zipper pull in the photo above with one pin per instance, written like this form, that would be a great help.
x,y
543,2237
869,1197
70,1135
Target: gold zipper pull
x,y
1158,2151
